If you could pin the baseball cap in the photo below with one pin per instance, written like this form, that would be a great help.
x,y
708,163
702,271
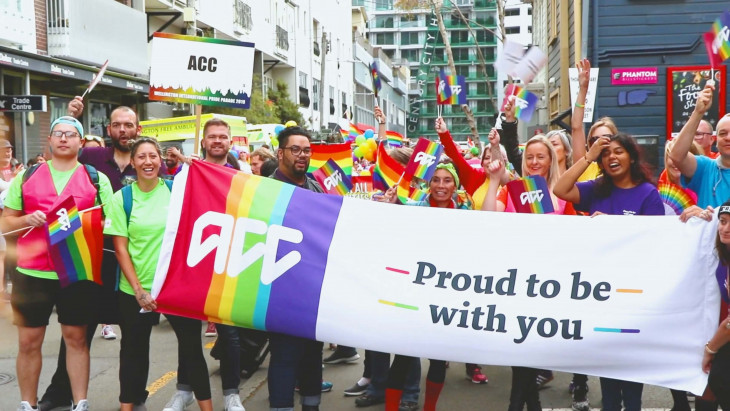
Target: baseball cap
x,y
5,143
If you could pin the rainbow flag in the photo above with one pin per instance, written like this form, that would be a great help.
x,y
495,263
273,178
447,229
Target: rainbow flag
x,y
375,77
340,153
77,256
530,195
344,133
387,171
407,194
425,157
721,30
332,179
394,139
674,197
63,220
525,102
353,133
450,89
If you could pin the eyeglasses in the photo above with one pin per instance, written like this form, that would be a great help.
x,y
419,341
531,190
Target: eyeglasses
x,y
593,139
68,134
701,134
296,150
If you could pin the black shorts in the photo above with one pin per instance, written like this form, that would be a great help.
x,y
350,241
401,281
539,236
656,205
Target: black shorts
x,y
33,299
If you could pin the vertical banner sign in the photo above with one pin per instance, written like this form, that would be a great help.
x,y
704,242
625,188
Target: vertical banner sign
x,y
683,86
201,70
421,76
259,253
590,96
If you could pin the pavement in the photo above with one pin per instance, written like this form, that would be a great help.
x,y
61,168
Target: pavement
x,y
459,393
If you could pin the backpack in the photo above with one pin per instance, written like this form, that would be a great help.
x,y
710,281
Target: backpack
x,y
90,171
127,198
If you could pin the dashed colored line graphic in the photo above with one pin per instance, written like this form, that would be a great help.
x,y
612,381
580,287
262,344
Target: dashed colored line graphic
x,y
396,270
629,290
399,305
616,330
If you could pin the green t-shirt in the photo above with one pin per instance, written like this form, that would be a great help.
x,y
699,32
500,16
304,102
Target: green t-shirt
x,y
14,200
146,226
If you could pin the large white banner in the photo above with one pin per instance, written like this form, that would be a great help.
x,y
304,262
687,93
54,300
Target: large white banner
x,y
627,297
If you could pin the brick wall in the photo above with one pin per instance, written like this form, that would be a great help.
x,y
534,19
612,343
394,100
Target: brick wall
x,y
41,30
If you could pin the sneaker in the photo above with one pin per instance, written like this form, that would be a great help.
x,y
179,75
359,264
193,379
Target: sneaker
x,y
82,405
179,401
233,403
580,398
408,406
356,390
690,397
368,401
581,406
477,377
339,357
107,332
543,378
327,386
25,406
210,331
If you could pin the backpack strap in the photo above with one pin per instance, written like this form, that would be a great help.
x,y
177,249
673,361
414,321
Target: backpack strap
x,y
26,176
168,183
94,178
127,201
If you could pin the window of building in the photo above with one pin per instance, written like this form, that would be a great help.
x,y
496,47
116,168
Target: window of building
x,y
459,36
332,100
408,20
512,30
303,79
268,85
512,12
553,23
412,55
242,15
529,11
461,54
384,39
555,103
409,38
484,36
529,29
384,22
463,70
487,52
315,94
390,53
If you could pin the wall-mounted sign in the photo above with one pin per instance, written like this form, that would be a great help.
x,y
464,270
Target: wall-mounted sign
x,y
23,103
683,86
632,76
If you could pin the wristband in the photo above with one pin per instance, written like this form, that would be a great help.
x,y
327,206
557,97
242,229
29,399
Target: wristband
x,y
708,350
577,104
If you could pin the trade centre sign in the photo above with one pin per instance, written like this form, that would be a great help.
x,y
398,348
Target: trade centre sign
x,y
23,103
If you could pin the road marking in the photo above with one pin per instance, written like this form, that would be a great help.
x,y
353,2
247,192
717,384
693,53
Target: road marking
x,y
210,345
161,382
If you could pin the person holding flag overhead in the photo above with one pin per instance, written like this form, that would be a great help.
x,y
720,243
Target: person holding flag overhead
x,y
36,287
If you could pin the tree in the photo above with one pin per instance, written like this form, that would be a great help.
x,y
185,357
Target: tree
x,y
286,109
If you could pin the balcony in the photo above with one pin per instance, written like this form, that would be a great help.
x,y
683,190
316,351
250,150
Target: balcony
x,y
93,31
17,25
282,38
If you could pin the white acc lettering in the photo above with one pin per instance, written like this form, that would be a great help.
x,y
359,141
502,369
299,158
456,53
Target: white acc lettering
x,y
425,158
332,180
233,237
531,196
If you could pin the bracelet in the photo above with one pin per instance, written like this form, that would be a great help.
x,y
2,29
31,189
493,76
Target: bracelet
x,y
577,104
708,350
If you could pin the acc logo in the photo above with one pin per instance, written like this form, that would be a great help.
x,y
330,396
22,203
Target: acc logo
x,y
332,180
425,159
230,255
531,196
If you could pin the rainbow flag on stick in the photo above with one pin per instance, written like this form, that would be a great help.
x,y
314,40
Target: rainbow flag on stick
x,y
331,177
375,76
407,194
719,49
525,102
394,139
77,251
340,153
450,89
425,157
353,133
530,195
387,171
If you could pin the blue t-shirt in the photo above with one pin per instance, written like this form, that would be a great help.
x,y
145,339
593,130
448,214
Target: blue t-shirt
x,y
710,182
640,200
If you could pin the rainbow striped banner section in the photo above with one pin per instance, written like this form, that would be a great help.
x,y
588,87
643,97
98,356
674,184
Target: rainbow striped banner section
x,y
340,153
64,220
375,76
720,30
394,139
425,157
387,171
450,89
530,195
332,179
525,102
77,253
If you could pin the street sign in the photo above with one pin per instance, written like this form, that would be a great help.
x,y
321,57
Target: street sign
x,y
23,103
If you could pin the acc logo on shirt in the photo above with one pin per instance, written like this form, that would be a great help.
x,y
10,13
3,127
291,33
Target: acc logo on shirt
x,y
232,237
531,196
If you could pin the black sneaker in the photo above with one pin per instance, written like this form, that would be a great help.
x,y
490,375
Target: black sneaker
x,y
408,406
580,398
356,390
339,357
47,404
368,401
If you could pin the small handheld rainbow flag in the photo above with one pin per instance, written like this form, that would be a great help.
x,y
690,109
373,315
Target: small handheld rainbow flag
x,y
450,89
675,197
394,139
340,153
63,220
425,157
78,255
530,195
525,102
443,89
345,134
375,76
407,194
721,37
331,177
353,133
387,171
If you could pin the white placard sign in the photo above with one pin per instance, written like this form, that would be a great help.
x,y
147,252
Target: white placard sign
x,y
590,96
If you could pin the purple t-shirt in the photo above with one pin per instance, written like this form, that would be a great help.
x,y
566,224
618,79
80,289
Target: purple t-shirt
x,y
102,158
640,200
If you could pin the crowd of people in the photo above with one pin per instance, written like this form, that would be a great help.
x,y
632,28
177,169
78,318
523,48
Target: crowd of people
x,y
587,175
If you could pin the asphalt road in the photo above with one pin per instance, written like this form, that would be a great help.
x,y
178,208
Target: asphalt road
x,y
458,394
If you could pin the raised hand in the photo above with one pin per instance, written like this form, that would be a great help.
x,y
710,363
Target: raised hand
x,y
440,125
584,73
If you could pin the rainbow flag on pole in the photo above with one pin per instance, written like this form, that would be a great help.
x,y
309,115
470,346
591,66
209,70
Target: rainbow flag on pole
x,y
340,153
530,195
450,89
332,179
375,76
76,251
721,36
394,139
387,171
407,194
425,157
525,102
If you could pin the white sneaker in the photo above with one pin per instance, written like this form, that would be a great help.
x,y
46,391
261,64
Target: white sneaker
x,y
82,405
179,401
107,332
233,403
25,406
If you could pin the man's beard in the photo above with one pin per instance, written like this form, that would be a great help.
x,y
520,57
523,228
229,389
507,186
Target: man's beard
x,y
118,146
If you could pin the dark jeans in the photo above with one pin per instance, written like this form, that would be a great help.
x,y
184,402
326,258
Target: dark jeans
x,y
719,380
134,355
524,390
294,359
230,361
406,375
614,391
